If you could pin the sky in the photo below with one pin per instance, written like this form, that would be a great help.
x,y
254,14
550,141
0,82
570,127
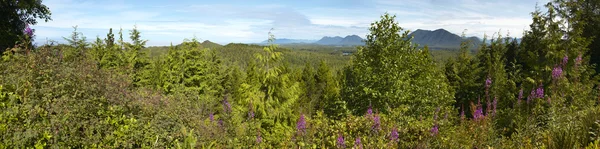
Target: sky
x,y
163,22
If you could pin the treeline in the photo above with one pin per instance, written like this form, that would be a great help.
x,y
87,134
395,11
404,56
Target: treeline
x,y
541,92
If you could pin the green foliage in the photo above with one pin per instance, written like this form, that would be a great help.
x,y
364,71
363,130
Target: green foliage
x,y
16,15
390,72
463,75
111,94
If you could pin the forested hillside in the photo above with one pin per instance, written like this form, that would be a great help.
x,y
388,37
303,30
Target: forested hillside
x,y
106,92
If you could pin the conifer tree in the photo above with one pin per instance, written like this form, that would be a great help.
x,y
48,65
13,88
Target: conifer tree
x,y
390,72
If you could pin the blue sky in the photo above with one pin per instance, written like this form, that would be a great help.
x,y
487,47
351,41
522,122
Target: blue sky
x,y
243,21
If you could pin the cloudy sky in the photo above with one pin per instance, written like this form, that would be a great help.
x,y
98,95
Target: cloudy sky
x,y
244,21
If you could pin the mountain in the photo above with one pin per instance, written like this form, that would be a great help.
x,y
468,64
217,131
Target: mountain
x,y
440,39
352,40
210,45
329,40
288,41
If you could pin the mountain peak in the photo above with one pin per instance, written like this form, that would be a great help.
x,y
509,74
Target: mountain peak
x,y
440,39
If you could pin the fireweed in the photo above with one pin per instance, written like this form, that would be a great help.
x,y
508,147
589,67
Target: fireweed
x,y
258,138
357,143
376,123
394,134
556,73
340,141
434,130
520,96
28,31
539,92
301,124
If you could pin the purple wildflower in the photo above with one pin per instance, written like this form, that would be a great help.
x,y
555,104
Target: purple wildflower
x,y
258,138
539,92
394,135
556,73
340,141
369,111
220,123
357,143
28,31
478,114
376,122
434,130
212,117
520,94
301,125
531,96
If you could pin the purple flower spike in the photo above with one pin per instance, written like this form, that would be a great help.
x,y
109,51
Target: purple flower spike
x,y
478,114
301,125
520,94
376,122
28,31
565,60
539,92
556,73
340,141
435,130
394,135
212,117
369,111
488,82
258,138
357,143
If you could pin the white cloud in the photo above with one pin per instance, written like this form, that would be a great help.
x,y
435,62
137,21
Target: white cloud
x,y
233,22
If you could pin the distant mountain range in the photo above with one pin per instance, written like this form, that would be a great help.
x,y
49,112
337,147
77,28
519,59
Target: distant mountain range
x,y
440,39
436,39
289,41
351,40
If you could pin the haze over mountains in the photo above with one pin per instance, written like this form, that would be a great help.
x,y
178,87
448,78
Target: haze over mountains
x,y
436,39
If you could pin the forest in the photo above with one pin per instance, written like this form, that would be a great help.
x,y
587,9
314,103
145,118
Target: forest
x,y
539,92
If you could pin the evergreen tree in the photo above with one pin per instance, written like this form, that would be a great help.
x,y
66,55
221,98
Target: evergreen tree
x,y
16,16
462,73
329,93
391,72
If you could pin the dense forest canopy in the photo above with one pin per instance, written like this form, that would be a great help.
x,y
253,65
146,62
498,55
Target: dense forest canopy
x,y
540,91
